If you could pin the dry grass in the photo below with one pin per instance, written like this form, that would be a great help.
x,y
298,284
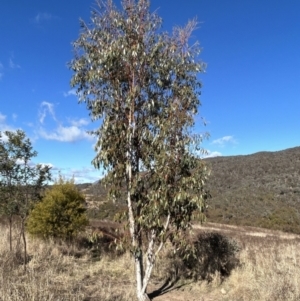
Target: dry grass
x,y
62,272
269,270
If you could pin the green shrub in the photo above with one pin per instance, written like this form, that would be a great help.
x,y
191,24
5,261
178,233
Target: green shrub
x,y
60,214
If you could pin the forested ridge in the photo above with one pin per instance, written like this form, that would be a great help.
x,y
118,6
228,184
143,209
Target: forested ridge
x,y
261,189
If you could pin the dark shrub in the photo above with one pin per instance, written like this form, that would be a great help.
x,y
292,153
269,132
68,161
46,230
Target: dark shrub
x,y
213,252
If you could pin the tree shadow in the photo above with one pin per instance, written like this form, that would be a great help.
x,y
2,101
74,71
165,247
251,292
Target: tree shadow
x,y
168,286
212,253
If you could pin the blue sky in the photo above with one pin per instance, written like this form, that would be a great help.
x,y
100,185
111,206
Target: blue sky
x,y
251,88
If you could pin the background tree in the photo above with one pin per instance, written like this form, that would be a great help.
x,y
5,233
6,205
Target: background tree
x,y
8,204
21,181
142,85
60,214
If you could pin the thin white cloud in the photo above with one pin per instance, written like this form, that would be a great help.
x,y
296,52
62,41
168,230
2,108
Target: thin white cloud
x,y
4,126
71,92
65,134
14,116
210,154
73,131
20,161
47,164
46,108
82,172
80,175
13,65
226,139
40,17
79,122
2,118
85,175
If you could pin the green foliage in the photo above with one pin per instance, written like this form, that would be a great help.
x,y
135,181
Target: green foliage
x,y
60,214
21,181
142,85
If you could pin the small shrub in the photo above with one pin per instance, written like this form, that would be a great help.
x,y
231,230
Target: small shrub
x,y
212,253
60,214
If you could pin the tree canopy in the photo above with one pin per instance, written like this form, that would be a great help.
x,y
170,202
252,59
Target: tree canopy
x,y
142,85
21,181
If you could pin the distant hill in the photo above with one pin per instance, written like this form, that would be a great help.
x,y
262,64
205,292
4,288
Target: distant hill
x,y
262,189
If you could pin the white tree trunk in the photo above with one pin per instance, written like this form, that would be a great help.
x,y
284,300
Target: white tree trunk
x,y
143,297
138,258
151,258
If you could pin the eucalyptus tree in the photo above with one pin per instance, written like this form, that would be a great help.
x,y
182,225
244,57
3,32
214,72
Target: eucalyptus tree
x,y
21,181
141,84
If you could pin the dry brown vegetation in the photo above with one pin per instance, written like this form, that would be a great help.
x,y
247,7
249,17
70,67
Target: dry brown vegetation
x,y
261,190
63,272
256,190
267,267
